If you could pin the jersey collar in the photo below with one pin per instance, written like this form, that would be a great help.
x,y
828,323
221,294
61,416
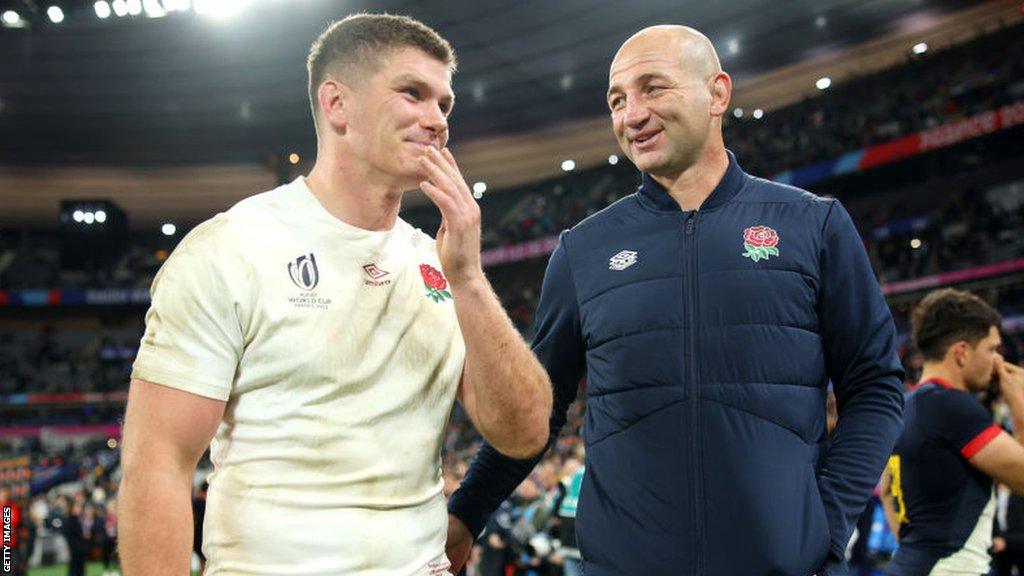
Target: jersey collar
x,y
729,186
938,381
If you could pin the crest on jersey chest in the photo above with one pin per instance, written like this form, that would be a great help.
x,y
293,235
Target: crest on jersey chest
x,y
305,275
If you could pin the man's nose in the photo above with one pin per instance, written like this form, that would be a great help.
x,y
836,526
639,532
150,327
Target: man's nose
x,y
435,120
636,114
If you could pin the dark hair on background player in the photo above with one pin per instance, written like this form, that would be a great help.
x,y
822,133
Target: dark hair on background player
x,y
355,46
947,316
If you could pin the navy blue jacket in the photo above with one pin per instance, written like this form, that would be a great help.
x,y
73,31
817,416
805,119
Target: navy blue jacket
x,y
707,356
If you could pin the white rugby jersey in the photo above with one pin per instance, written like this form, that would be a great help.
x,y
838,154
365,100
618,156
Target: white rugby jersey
x,y
339,354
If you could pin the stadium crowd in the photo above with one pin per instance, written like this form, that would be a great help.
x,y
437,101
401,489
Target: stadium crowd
x,y
926,91
965,229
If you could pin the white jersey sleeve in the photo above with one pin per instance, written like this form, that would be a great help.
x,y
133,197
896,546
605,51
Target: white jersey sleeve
x,y
195,324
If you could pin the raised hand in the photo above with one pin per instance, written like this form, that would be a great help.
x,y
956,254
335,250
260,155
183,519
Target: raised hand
x,y
458,239
1011,381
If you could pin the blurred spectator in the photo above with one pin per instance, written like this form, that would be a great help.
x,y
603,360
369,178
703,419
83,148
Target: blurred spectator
x,y
198,516
496,542
565,506
1008,541
74,533
110,538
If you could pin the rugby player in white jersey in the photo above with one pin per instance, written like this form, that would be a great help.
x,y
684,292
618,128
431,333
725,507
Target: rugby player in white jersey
x,y
320,341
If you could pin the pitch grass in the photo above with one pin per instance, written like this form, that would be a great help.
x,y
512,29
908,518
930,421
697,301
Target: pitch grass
x,y
91,569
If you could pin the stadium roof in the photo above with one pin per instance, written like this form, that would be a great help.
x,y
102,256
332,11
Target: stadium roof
x,y
89,100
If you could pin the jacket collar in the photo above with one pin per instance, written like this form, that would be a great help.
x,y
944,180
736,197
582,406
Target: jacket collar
x,y
726,190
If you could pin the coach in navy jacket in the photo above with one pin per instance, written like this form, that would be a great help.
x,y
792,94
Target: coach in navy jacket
x,y
707,337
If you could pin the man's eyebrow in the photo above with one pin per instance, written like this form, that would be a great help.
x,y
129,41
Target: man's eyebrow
x,y
447,97
642,79
412,80
645,78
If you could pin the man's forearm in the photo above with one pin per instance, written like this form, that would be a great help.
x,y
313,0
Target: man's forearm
x,y
509,388
155,528
868,426
1017,415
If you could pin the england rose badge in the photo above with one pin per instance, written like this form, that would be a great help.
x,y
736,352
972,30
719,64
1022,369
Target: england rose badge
x,y
760,242
433,280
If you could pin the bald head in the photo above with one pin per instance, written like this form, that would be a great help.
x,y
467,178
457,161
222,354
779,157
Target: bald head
x,y
667,95
689,48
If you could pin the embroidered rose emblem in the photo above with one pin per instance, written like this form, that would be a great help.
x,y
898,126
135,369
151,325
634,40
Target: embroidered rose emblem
x,y
760,243
760,236
435,283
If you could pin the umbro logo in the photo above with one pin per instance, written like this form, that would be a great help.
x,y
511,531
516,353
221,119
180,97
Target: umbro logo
x,y
622,260
376,275
374,272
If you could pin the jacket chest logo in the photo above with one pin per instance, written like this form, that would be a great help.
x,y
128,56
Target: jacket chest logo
x,y
760,243
622,260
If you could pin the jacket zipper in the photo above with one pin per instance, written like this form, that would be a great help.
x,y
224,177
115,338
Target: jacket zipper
x,y
690,247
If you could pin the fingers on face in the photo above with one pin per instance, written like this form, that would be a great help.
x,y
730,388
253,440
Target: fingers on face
x,y
447,155
446,188
1002,366
434,157
446,178
435,172
446,161
438,196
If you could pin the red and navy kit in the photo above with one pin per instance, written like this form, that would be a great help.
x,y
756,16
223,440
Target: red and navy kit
x,y
945,504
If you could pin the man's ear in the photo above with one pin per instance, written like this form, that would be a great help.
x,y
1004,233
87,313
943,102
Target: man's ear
x,y
335,103
721,93
959,351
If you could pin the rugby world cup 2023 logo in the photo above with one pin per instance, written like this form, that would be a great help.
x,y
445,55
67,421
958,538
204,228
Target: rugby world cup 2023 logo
x,y
303,272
